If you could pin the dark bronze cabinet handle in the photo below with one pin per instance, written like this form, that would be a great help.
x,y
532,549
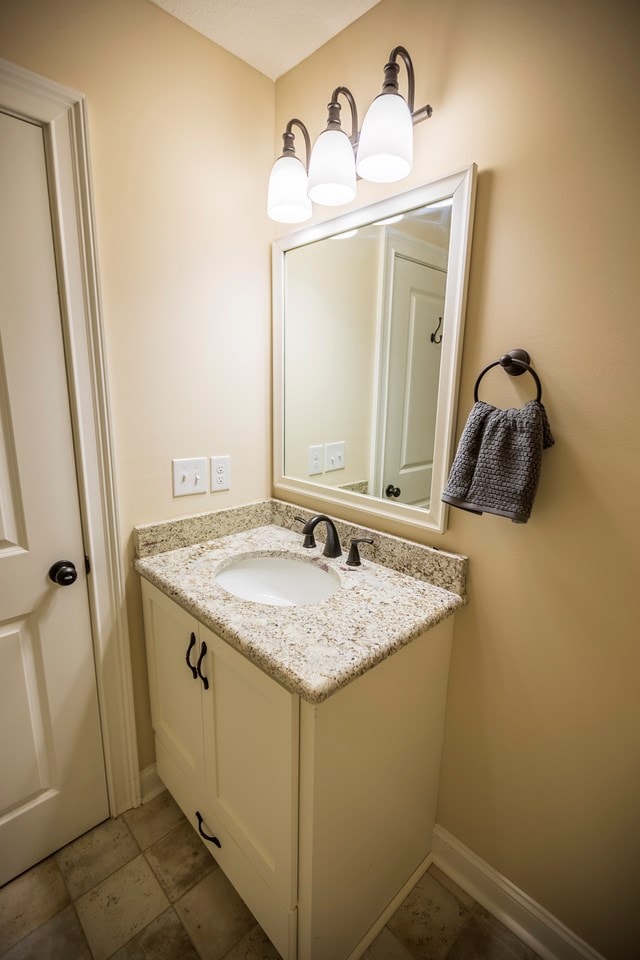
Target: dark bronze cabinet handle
x,y
192,644
203,652
206,836
392,491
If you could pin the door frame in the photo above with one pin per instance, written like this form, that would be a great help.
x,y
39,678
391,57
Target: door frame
x,y
62,115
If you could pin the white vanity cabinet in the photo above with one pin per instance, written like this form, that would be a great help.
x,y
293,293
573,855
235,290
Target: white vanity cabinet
x,y
324,812
227,750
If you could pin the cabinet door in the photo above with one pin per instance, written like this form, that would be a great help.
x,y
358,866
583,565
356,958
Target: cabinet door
x,y
176,696
251,747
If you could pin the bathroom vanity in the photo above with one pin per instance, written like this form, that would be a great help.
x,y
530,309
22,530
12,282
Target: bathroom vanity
x,y
302,742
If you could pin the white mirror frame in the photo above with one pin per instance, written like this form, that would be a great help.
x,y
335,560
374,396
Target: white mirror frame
x,y
461,188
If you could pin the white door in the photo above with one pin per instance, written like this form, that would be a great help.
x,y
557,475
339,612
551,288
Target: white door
x,y
52,781
412,385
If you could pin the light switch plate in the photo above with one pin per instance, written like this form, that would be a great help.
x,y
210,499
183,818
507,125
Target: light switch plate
x,y
334,455
315,459
189,476
220,473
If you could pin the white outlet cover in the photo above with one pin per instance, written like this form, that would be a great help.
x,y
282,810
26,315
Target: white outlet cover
x,y
335,456
220,473
189,476
316,459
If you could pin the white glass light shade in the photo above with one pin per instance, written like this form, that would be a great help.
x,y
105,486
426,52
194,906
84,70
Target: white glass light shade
x,y
385,150
332,169
287,200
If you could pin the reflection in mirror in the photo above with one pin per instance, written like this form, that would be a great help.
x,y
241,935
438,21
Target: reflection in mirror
x,y
368,323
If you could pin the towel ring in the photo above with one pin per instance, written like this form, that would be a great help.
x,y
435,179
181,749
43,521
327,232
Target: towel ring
x,y
515,363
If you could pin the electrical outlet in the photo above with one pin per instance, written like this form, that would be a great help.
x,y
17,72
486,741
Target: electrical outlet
x,y
189,476
316,459
334,456
220,473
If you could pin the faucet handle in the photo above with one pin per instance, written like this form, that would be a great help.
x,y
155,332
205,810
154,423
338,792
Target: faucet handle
x,y
353,560
309,539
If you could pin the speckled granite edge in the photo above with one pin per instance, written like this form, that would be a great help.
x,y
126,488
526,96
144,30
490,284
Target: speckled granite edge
x,y
438,567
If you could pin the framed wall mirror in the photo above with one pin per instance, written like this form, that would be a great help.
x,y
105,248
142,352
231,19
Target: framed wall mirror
x,y
368,328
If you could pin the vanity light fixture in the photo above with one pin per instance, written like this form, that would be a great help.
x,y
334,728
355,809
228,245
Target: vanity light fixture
x,y
384,149
287,199
332,168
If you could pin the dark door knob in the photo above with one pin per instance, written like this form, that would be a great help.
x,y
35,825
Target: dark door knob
x,y
63,573
392,491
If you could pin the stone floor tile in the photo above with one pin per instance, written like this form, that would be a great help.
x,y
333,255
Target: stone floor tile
x,y
119,907
179,860
60,938
451,886
429,920
255,946
93,856
215,917
29,900
164,939
153,819
485,938
386,946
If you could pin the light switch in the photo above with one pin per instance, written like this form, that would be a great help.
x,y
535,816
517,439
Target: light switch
x,y
189,476
220,473
334,455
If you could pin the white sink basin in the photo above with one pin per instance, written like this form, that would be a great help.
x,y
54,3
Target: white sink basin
x,y
278,581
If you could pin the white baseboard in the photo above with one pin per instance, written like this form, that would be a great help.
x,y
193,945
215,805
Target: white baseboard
x,y
150,784
534,925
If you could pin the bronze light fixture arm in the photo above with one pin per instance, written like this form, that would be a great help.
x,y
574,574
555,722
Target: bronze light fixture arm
x,y
390,83
289,137
333,108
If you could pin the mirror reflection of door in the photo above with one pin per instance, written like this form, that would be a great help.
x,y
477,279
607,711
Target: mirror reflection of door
x,y
409,392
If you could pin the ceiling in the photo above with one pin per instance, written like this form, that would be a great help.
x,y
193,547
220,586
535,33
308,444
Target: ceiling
x,y
270,35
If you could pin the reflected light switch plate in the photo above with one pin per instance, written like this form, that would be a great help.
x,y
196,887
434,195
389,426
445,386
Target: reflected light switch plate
x,y
334,456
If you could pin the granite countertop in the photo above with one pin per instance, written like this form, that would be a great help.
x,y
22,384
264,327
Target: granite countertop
x,y
312,650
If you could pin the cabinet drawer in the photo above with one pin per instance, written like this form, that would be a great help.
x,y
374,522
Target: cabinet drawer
x,y
277,921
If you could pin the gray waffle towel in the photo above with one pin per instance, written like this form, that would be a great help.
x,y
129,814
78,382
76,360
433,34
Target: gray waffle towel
x,y
497,465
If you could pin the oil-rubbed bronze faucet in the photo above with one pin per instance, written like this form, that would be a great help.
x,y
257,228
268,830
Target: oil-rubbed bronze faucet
x,y
332,546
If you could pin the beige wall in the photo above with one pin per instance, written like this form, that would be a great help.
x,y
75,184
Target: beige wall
x,y
540,770
331,291
182,143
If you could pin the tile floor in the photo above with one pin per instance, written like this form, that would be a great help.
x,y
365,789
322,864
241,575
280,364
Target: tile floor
x,y
143,887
